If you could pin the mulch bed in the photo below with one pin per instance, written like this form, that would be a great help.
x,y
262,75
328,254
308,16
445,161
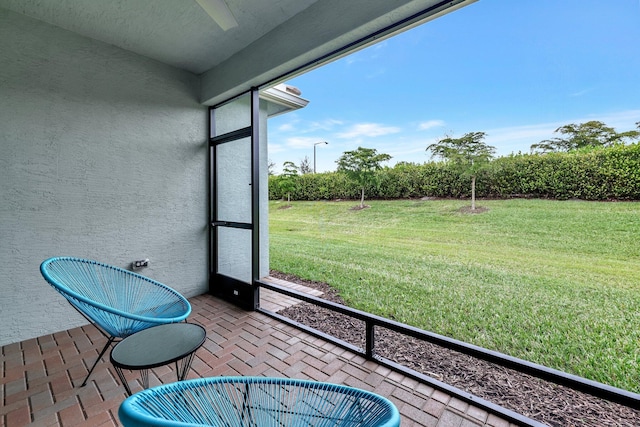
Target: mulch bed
x,y
532,397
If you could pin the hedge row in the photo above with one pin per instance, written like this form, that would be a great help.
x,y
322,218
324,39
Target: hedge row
x,y
603,174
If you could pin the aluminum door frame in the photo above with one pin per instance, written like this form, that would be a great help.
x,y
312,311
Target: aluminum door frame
x,y
245,295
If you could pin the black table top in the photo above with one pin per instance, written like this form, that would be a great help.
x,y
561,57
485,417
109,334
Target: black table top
x,y
158,346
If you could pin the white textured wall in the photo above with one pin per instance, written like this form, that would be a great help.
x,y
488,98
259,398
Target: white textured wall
x,y
102,155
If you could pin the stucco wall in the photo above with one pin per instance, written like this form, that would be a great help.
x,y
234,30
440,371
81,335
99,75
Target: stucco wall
x,y
103,156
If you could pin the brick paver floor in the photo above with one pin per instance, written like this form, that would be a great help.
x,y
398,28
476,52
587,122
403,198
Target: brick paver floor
x,y
41,377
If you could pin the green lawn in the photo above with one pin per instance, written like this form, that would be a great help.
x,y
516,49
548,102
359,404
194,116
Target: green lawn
x,y
552,282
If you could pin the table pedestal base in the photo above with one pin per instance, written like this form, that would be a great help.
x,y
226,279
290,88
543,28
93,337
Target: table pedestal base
x,y
182,369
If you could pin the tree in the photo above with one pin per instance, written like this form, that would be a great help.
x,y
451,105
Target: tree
x,y
360,165
288,179
270,166
469,153
590,134
305,166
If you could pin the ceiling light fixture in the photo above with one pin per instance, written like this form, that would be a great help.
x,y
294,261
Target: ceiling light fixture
x,y
219,12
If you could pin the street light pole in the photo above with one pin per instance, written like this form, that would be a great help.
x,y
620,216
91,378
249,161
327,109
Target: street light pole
x,y
314,153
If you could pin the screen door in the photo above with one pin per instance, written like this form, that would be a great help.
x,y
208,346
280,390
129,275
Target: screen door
x,y
234,200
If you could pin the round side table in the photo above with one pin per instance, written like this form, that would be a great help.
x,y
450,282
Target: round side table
x,y
158,346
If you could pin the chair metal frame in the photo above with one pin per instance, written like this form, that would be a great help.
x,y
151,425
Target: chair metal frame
x,y
118,302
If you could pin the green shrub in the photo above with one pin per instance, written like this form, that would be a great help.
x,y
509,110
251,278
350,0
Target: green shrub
x,y
611,173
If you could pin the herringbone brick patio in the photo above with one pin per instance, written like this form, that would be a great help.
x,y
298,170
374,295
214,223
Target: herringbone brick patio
x,y
41,377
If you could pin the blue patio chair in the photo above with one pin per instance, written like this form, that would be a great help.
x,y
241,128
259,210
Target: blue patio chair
x,y
119,302
256,401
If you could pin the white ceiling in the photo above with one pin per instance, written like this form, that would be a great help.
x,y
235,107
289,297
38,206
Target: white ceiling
x,y
273,37
175,32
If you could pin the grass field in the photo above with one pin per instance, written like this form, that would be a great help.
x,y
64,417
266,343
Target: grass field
x,y
552,282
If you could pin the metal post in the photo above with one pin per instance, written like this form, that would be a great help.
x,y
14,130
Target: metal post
x,y
314,153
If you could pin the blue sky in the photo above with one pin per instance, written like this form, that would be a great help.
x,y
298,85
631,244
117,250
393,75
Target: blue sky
x,y
514,69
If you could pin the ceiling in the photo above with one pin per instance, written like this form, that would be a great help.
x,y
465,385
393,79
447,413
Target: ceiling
x,y
272,37
176,32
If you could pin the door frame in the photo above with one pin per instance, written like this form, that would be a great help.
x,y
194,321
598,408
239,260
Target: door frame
x,y
245,295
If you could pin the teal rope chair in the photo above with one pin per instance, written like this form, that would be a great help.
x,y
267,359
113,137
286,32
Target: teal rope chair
x,y
119,302
256,401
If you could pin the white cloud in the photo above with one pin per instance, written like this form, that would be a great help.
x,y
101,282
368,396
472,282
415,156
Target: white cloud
x,y
276,148
286,127
541,130
305,127
519,138
622,121
429,124
368,130
290,123
514,139
409,152
326,125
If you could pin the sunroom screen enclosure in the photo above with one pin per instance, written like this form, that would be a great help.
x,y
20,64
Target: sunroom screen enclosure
x,y
235,205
